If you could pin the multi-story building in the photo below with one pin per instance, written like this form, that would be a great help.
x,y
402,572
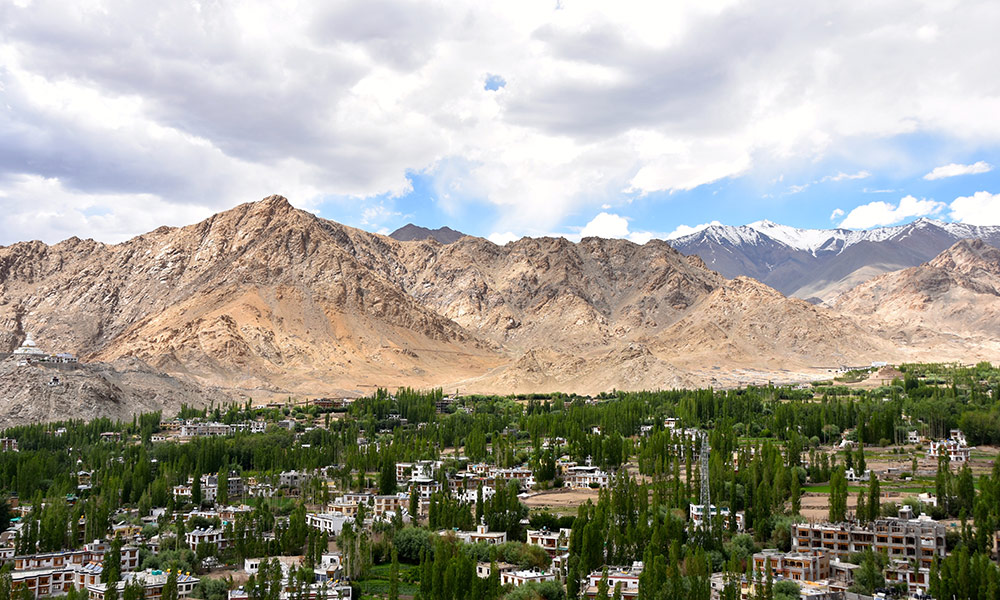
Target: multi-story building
x,y
8,445
330,523
918,539
211,535
192,429
585,476
52,573
917,580
553,542
956,450
153,582
799,566
697,514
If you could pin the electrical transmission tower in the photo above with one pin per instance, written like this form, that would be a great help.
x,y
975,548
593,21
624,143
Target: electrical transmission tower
x,y
706,495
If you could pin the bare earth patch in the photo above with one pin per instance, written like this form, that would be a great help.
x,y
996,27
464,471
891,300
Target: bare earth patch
x,y
561,498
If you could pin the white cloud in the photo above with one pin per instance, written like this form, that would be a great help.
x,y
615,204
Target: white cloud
x,y
683,230
841,176
981,208
502,238
610,225
206,105
955,169
836,214
606,225
876,214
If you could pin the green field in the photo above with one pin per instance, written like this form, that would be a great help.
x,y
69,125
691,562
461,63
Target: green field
x,y
376,585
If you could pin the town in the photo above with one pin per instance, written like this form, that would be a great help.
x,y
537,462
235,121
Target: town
x,y
838,489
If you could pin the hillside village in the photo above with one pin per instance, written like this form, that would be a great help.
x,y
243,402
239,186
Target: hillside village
x,y
757,493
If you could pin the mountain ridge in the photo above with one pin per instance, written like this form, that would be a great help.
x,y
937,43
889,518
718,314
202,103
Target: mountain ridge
x,y
268,300
819,264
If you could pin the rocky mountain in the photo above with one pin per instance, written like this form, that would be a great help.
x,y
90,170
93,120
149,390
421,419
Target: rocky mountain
x,y
43,392
954,297
819,264
415,233
266,300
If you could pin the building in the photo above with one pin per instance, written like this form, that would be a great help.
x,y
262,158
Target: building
x,y
212,429
519,578
627,577
696,512
481,534
485,569
852,475
585,476
956,451
8,445
152,580
29,351
293,479
329,523
798,566
212,536
918,539
553,542
52,573
917,580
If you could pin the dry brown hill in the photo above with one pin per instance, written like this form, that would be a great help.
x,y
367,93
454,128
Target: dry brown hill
x,y
272,300
955,295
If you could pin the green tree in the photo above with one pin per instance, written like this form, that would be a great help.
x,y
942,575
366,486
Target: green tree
x,y
838,496
387,476
394,576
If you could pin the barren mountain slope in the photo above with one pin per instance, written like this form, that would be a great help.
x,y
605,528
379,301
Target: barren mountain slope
x,y
542,290
42,392
258,293
956,293
744,321
268,298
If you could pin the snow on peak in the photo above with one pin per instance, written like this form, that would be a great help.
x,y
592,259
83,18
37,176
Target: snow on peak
x,y
815,241
810,240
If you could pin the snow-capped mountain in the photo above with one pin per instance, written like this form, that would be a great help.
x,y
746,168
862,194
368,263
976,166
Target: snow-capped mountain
x,y
819,264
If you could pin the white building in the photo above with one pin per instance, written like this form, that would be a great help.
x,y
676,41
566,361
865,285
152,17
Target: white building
x,y
626,577
330,523
212,536
585,476
956,450
519,578
697,514
553,542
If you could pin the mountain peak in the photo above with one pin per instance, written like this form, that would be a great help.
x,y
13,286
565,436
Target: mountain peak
x,y
967,255
412,233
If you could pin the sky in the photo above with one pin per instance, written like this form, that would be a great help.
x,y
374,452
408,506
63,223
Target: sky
x,y
500,119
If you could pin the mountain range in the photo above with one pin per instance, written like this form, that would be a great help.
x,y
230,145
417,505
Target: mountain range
x,y
415,233
265,300
820,264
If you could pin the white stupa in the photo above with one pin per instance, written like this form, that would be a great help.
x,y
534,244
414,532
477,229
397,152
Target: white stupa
x,y
29,349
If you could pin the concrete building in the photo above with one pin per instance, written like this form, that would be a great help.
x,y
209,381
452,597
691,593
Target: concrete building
x,y
627,577
585,476
152,582
956,451
519,578
330,523
798,566
553,542
212,536
481,534
918,539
